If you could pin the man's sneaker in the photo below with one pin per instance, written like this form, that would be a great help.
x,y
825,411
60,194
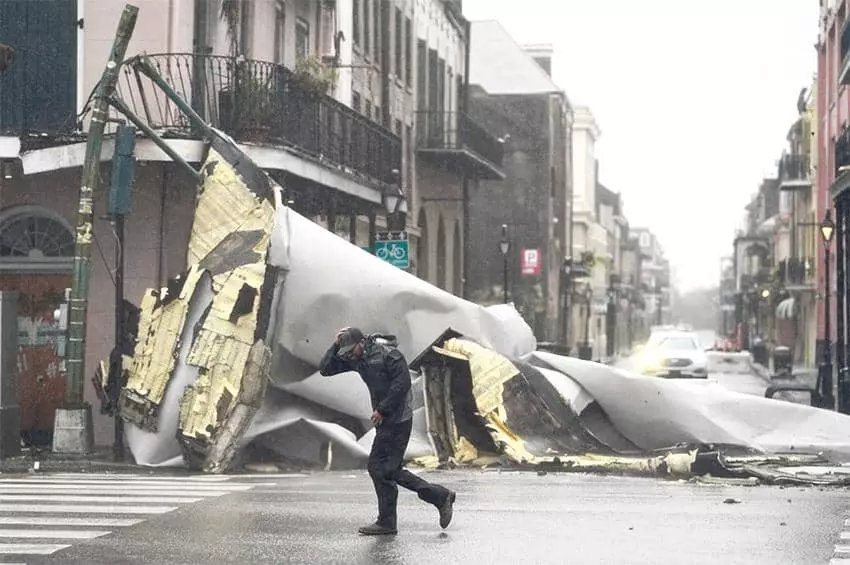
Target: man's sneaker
x,y
377,529
446,510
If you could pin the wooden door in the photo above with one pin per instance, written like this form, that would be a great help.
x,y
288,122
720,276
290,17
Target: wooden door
x,y
41,368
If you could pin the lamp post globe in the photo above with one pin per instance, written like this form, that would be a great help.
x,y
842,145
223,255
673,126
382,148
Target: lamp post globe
x,y
391,202
504,247
827,228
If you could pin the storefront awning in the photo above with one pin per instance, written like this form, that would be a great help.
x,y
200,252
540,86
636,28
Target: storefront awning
x,y
785,310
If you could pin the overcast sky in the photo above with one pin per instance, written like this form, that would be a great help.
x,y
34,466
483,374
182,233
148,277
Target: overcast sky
x,y
694,100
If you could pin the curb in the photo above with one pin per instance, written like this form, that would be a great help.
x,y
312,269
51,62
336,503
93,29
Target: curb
x,y
99,461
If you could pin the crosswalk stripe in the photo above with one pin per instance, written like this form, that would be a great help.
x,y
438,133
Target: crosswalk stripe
x,y
842,548
181,486
85,509
95,498
52,534
86,489
269,476
65,507
31,548
130,476
69,521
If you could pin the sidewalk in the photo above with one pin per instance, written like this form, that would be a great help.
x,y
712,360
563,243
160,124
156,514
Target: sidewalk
x,y
99,461
802,375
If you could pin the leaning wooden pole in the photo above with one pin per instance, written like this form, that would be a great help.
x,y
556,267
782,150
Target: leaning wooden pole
x,y
72,432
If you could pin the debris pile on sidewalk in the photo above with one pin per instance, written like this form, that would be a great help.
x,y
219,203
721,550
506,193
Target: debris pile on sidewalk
x,y
227,357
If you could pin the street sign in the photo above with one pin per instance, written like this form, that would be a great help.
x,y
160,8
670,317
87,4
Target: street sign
x,y
394,248
531,262
123,169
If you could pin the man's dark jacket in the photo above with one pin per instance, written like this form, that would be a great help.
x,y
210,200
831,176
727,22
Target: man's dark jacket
x,y
385,372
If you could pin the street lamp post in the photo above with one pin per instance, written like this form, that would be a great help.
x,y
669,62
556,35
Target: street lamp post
x,y
567,296
827,228
588,299
505,247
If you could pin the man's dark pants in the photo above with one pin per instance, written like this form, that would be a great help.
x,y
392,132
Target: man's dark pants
x,y
386,470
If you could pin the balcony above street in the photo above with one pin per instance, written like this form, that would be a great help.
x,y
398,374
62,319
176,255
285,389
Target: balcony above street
x,y
797,273
794,173
844,65
454,141
842,164
264,103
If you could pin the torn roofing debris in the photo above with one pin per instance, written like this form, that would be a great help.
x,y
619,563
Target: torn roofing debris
x,y
225,368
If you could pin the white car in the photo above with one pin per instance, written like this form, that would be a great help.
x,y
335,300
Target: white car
x,y
673,354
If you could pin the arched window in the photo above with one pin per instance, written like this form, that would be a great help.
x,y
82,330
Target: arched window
x,y
30,234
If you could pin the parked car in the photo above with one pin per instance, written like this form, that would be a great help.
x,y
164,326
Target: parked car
x,y
673,354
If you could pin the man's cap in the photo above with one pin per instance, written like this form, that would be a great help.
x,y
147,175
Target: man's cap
x,y
350,338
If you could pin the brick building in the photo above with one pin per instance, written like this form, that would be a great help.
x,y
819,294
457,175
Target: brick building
x,y
514,95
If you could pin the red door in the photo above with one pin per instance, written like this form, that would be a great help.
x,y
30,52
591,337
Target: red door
x,y
41,371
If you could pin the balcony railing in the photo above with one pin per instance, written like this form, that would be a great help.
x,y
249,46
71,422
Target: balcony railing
x,y
794,171
265,103
464,141
844,66
842,151
797,272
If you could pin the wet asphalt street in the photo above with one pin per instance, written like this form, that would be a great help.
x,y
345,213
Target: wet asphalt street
x,y
501,517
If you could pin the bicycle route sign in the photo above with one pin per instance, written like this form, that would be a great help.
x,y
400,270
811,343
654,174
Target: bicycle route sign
x,y
394,248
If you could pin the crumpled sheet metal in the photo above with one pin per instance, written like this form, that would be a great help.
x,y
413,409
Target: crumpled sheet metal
x,y
516,411
228,361
161,322
159,447
233,229
656,413
331,283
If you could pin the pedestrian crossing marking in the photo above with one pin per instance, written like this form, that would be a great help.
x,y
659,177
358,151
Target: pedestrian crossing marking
x,y
182,486
85,509
83,489
40,511
52,534
31,548
123,476
93,498
69,521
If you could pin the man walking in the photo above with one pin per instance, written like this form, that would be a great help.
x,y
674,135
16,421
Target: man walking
x,y
385,372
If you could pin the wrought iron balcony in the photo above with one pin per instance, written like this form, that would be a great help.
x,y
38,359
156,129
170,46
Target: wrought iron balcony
x,y
262,102
844,68
794,172
764,276
842,151
797,273
456,141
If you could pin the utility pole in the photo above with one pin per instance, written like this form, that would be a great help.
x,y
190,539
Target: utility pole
x,y
73,426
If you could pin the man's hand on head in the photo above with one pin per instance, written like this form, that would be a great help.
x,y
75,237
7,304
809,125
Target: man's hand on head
x,y
341,332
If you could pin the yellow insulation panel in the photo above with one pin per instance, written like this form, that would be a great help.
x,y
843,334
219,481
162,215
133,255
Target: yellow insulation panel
x,y
222,348
490,371
222,379
155,353
224,207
